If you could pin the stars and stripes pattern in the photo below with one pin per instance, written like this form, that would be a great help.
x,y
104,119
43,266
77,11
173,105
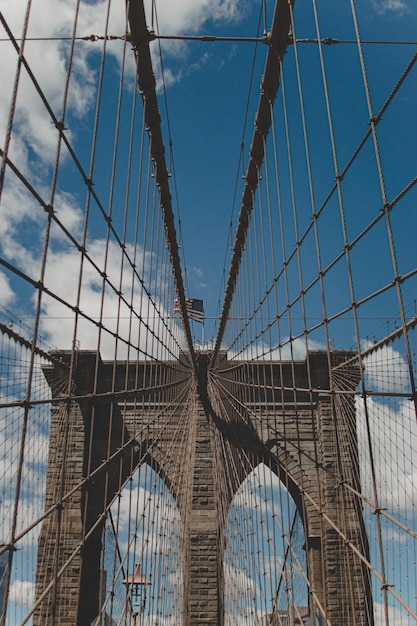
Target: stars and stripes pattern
x,y
195,309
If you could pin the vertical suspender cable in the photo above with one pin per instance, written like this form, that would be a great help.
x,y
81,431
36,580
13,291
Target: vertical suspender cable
x,y
278,41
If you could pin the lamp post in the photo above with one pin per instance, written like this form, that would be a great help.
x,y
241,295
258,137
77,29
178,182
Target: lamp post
x,y
136,593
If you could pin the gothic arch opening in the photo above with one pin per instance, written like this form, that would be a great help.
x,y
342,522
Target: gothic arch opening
x,y
265,566
143,538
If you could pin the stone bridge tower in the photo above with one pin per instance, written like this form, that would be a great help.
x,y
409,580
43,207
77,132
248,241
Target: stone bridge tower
x,y
84,432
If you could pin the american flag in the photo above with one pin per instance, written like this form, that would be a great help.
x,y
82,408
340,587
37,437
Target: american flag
x,y
195,309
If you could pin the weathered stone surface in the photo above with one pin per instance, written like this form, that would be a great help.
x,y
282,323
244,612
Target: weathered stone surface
x,y
192,469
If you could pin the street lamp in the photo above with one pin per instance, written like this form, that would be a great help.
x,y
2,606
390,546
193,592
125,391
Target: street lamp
x,y
136,592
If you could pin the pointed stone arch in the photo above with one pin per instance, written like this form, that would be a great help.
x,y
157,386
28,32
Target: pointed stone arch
x,y
93,452
272,519
145,513
310,443
212,451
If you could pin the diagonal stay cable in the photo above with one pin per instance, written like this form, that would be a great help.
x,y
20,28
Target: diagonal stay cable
x,y
88,182
140,38
278,40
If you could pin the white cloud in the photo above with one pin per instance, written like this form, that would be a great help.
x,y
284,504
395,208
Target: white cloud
x,y
21,234
196,278
48,59
391,6
58,320
132,500
397,617
6,292
238,583
393,431
23,222
29,509
188,16
386,370
48,62
291,350
32,149
33,478
394,438
22,592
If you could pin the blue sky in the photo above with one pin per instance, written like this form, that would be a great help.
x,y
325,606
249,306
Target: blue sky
x,y
208,86
207,118
207,89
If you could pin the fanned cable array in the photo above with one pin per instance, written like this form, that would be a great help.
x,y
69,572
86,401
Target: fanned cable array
x,y
319,254
267,474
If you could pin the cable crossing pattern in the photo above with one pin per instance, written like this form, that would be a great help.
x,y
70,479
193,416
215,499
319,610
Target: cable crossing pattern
x,y
264,474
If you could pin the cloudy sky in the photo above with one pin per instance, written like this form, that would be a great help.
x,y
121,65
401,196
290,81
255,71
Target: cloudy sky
x,y
208,91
